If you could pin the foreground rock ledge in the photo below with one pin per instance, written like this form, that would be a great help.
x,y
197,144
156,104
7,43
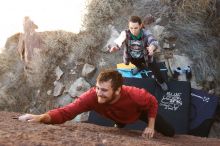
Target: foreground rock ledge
x,y
17,133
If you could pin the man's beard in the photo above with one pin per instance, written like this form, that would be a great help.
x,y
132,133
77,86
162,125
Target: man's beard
x,y
110,100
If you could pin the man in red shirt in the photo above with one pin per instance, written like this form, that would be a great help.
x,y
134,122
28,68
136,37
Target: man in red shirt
x,y
113,100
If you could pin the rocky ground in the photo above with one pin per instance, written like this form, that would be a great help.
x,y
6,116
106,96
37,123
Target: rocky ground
x,y
16,133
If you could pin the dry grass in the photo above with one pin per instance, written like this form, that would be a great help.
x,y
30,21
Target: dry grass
x,y
193,10
101,13
14,91
7,60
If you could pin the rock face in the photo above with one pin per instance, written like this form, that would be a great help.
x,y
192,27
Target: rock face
x,y
79,87
17,133
29,49
29,40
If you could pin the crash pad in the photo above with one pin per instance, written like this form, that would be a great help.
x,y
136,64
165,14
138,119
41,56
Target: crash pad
x,y
203,108
174,105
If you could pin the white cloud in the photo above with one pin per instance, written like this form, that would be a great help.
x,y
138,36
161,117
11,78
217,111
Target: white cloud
x,y
47,14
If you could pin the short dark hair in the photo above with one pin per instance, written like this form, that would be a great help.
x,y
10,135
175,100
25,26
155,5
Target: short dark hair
x,y
135,19
113,75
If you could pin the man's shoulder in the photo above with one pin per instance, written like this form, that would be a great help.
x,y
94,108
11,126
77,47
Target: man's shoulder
x,y
146,32
131,89
136,94
126,31
127,88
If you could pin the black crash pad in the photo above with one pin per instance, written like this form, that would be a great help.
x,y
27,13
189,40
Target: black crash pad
x,y
174,105
203,108
148,84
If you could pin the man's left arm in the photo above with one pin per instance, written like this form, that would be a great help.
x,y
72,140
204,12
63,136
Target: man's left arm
x,y
149,103
149,130
151,49
152,43
152,106
152,112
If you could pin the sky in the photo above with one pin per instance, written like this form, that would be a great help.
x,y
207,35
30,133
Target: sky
x,y
46,14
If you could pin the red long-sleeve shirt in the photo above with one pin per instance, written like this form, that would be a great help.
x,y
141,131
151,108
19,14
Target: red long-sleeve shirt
x,y
126,110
